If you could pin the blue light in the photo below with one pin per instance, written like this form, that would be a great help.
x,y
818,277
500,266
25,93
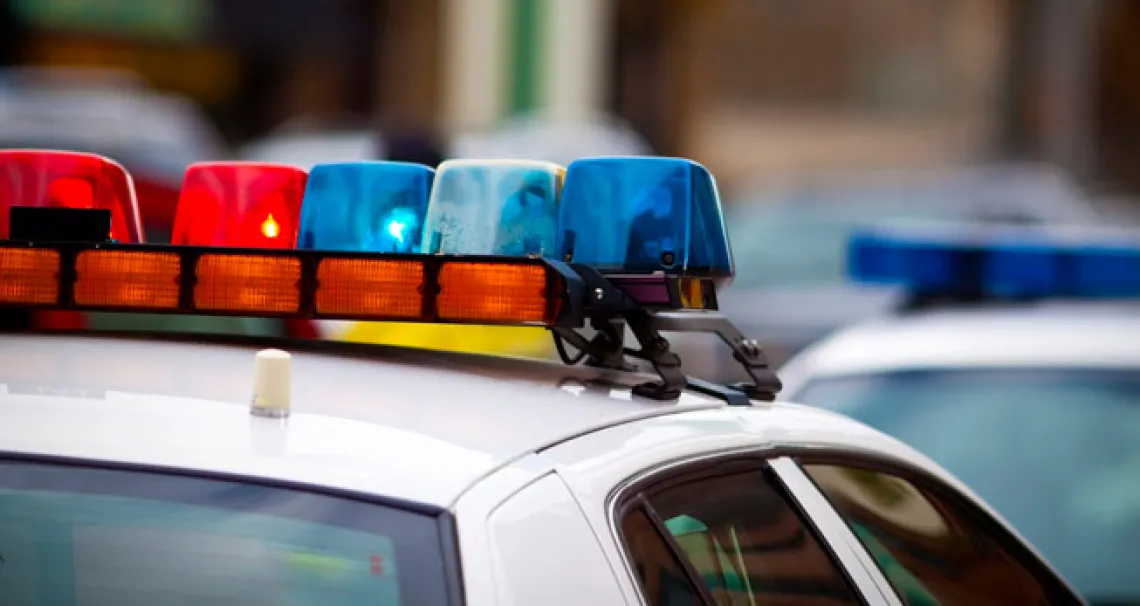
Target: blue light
x,y
365,206
989,262
644,214
494,207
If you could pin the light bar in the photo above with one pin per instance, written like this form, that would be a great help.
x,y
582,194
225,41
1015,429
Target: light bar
x,y
246,204
998,262
644,215
60,179
287,284
365,206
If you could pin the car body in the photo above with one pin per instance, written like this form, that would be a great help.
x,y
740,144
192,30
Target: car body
x,y
790,242
1035,406
132,467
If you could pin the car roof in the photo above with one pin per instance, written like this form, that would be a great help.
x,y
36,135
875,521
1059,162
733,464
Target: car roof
x,y
413,425
407,425
1053,334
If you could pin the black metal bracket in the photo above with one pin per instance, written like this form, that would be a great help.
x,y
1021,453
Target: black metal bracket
x,y
610,311
765,385
655,350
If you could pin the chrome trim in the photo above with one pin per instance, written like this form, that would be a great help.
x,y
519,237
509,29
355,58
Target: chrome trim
x,y
863,570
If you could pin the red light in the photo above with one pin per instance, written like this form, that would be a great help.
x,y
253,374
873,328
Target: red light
x,y
240,204
30,177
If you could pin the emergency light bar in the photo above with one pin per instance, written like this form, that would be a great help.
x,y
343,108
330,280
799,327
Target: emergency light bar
x,y
637,242
280,283
989,262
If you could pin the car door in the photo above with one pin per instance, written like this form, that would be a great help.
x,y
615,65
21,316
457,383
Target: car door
x,y
727,531
932,544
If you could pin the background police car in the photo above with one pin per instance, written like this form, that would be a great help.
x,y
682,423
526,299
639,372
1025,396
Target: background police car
x,y
132,469
1034,405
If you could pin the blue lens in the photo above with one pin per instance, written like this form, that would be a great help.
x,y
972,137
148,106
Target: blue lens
x,y
365,206
1106,271
643,214
494,207
997,262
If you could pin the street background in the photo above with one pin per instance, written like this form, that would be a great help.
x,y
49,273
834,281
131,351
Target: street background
x,y
758,90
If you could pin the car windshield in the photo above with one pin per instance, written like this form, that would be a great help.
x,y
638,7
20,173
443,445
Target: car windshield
x,y
73,535
1055,451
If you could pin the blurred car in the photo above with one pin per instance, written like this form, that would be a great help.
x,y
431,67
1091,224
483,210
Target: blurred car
x,y
552,140
156,136
1035,405
790,244
306,142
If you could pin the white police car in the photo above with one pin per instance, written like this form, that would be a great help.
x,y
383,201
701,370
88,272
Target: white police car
x,y
1033,403
175,469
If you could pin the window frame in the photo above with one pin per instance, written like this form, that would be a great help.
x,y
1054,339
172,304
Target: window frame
x,y
444,519
973,514
818,516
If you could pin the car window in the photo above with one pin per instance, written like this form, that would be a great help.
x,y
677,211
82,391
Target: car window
x,y
932,551
125,538
746,542
1055,451
660,572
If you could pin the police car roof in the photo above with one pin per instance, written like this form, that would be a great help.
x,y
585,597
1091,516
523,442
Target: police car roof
x,y
1054,334
409,425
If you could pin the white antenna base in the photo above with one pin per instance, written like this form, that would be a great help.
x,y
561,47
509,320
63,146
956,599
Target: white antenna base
x,y
272,384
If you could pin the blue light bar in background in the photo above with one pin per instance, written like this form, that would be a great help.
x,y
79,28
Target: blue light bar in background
x,y
998,262
494,207
365,206
644,214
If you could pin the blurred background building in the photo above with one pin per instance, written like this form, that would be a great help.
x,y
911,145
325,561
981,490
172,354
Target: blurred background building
x,y
756,89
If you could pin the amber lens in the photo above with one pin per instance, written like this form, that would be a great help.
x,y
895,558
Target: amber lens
x,y
248,283
134,279
364,287
695,293
29,276
493,292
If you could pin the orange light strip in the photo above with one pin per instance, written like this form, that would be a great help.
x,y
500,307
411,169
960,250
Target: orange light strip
x,y
29,276
493,292
134,279
367,287
248,284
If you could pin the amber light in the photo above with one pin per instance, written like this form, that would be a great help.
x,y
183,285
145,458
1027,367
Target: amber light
x,y
248,283
365,287
29,276
493,292
133,279
695,293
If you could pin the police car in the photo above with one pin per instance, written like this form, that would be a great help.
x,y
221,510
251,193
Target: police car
x,y
1016,365
190,469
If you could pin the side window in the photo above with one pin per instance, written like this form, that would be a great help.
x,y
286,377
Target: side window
x,y
662,576
933,551
745,542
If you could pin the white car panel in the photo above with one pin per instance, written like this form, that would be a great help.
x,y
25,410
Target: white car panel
x,y
536,534
446,424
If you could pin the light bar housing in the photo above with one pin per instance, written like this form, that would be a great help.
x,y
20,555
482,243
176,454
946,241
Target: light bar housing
x,y
288,283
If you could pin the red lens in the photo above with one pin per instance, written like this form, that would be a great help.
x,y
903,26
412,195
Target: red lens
x,y
70,180
240,204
